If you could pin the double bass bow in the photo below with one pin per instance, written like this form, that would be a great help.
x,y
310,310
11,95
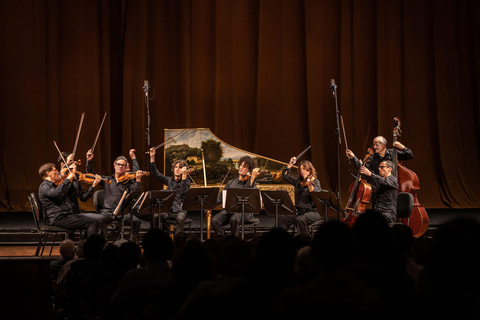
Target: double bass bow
x,y
408,182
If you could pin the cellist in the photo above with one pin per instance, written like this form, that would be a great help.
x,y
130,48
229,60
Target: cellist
x,y
381,154
387,189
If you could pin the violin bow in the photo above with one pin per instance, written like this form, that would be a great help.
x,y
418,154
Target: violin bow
x,y
78,134
98,133
60,153
168,140
225,177
303,152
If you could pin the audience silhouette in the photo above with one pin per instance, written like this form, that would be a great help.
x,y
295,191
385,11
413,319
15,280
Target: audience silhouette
x,y
371,270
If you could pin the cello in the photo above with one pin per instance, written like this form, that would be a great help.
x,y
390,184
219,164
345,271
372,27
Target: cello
x,y
359,196
408,182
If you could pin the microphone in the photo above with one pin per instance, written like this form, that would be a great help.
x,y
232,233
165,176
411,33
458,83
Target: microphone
x,y
145,87
333,86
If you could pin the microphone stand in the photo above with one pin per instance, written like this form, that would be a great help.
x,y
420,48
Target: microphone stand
x,y
147,136
333,87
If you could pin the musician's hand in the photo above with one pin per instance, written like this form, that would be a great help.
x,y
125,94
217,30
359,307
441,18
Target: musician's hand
x,y
152,154
139,175
255,173
292,162
350,154
365,171
132,154
97,180
70,158
89,154
71,173
398,145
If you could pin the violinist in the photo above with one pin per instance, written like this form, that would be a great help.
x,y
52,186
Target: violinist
x,y
77,191
381,154
247,175
306,182
58,209
387,189
180,183
114,189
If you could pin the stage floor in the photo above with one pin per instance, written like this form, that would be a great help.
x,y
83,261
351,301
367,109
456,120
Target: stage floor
x,y
18,236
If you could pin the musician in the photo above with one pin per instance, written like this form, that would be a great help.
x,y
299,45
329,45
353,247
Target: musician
x,y
387,189
381,154
247,175
59,211
114,192
180,183
77,191
306,182
135,165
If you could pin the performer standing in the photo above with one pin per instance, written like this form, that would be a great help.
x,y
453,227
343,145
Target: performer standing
x,y
381,154
306,182
180,183
247,175
387,189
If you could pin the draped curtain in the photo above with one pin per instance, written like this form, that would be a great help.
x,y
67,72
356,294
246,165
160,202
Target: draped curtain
x,y
255,72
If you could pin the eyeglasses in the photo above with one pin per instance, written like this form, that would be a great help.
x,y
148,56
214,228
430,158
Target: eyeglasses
x,y
382,166
121,164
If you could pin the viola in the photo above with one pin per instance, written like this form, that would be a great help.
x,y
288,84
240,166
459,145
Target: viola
x,y
408,182
359,196
130,175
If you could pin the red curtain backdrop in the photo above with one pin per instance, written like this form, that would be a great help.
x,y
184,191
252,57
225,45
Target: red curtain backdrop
x,y
256,72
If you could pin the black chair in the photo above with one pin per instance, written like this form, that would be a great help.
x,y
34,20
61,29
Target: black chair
x,y
46,230
404,205
115,226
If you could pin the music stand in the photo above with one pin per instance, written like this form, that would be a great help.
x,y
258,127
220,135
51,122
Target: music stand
x,y
278,202
201,199
243,200
122,205
162,199
325,199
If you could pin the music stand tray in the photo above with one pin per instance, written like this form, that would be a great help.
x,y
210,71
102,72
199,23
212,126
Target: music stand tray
x,y
325,199
162,199
243,200
278,202
200,199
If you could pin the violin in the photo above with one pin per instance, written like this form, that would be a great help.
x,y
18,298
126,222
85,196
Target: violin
x,y
130,175
308,180
249,174
90,178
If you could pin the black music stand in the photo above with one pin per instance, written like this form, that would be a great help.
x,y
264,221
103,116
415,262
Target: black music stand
x,y
325,199
243,200
124,204
201,199
277,203
163,200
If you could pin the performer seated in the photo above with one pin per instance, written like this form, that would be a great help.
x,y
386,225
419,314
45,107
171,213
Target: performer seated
x,y
381,154
180,183
247,174
77,191
387,189
114,192
58,209
305,183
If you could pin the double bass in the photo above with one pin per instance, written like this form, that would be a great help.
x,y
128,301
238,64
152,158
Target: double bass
x,y
359,196
408,182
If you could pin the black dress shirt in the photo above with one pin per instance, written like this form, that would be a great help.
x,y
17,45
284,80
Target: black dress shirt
x,y
374,161
386,196
181,186
53,199
303,199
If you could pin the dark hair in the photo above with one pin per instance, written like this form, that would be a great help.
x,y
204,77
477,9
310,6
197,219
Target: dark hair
x,y
182,163
249,162
64,155
309,166
390,164
44,169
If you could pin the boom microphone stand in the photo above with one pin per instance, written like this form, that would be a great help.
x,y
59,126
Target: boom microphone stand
x,y
146,87
333,87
